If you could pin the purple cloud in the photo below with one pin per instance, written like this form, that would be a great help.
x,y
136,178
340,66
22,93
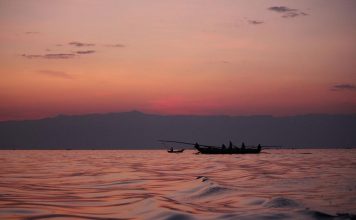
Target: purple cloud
x,y
344,87
59,55
80,44
281,9
115,45
50,56
30,56
32,32
287,12
85,51
255,22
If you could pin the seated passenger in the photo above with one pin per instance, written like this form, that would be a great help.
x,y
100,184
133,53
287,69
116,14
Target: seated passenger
x,y
230,145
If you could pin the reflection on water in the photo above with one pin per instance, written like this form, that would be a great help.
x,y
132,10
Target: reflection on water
x,y
276,184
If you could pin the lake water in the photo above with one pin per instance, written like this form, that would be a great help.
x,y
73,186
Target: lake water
x,y
152,184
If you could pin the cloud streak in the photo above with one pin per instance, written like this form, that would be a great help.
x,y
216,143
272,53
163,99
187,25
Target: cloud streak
x,y
287,12
281,9
115,45
50,56
56,74
255,22
344,87
80,44
32,32
85,51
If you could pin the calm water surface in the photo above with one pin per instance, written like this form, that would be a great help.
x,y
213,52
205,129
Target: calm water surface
x,y
152,184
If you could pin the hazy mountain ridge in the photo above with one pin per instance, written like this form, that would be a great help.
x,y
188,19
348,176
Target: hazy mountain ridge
x,y
132,130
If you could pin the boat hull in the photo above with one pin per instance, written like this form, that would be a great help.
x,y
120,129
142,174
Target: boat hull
x,y
204,150
175,151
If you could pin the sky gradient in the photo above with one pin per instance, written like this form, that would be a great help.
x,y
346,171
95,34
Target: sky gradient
x,y
177,57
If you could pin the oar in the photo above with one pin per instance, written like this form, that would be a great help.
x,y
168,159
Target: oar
x,y
181,142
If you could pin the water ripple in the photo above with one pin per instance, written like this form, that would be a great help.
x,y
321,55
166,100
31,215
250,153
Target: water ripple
x,y
278,184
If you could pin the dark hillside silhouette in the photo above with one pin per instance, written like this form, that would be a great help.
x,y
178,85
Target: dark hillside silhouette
x,y
135,130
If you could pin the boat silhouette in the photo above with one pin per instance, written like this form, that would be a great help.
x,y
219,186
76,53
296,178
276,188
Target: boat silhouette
x,y
206,149
175,151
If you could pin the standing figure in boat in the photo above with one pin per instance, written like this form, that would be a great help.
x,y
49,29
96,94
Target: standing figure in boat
x,y
230,145
243,147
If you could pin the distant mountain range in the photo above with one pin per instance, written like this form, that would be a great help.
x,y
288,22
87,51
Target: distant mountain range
x,y
136,130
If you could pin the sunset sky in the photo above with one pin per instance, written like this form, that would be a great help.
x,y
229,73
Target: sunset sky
x,y
200,57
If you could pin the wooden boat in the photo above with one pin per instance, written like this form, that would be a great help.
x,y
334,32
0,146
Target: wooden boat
x,y
175,151
205,149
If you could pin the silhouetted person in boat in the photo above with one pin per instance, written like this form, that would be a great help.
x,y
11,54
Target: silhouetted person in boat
x,y
230,145
171,149
223,147
259,147
243,147
196,145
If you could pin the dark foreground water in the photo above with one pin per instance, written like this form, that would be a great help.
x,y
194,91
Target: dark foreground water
x,y
276,184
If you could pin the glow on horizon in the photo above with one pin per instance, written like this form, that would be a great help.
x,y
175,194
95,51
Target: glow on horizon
x,y
177,57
